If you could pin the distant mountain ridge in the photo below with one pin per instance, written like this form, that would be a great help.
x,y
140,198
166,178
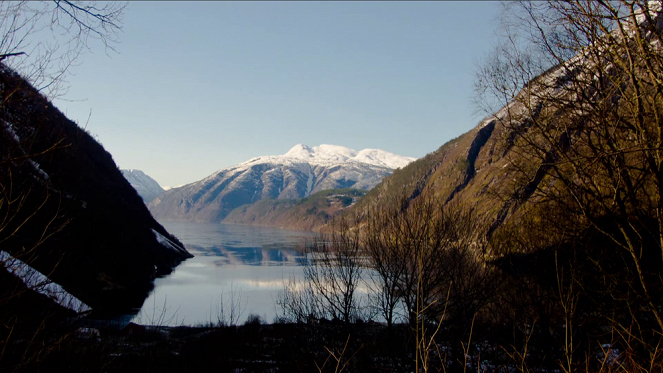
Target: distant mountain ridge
x,y
302,171
147,188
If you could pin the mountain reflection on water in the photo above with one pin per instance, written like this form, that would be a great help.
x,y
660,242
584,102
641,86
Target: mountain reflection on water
x,y
245,265
252,256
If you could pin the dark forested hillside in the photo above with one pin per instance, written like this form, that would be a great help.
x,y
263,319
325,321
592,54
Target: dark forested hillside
x,y
67,210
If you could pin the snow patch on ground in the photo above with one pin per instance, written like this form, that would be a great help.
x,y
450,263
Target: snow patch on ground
x,y
38,169
36,281
167,243
10,128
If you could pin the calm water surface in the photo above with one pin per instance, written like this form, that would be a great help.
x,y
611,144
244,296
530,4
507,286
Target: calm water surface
x,y
244,265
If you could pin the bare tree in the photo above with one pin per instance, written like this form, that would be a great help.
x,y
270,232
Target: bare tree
x,y
386,265
298,302
583,101
334,271
43,40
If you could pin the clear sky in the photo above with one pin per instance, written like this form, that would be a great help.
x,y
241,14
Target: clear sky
x,y
199,86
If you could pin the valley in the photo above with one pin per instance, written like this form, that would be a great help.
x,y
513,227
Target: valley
x,y
530,242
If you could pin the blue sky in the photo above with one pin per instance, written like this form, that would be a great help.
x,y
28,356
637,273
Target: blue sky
x,y
199,86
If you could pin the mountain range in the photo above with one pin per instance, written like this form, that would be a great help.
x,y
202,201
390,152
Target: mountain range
x,y
300,172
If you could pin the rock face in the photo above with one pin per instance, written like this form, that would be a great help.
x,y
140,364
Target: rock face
x,y
68,211
466,169
486,168
299,173
147,188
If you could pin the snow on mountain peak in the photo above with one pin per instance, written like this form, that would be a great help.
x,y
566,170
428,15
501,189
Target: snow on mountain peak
x,y
300,151
302,171
341,154
383,158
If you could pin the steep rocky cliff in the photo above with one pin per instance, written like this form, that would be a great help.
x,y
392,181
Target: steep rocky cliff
x,y
482,168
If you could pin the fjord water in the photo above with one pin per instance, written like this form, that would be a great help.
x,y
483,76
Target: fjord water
x,y
243,265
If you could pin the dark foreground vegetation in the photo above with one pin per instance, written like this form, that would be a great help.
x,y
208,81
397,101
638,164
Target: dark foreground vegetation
x,y
252,347
534,243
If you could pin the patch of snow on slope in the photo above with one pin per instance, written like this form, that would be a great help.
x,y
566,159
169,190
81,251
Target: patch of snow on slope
x,y
36,281
655,10
39,170
10,129
167,243
383,158
309,182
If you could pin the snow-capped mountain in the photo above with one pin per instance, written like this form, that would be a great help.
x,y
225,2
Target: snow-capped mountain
x,y
300,172
146,187
334,153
